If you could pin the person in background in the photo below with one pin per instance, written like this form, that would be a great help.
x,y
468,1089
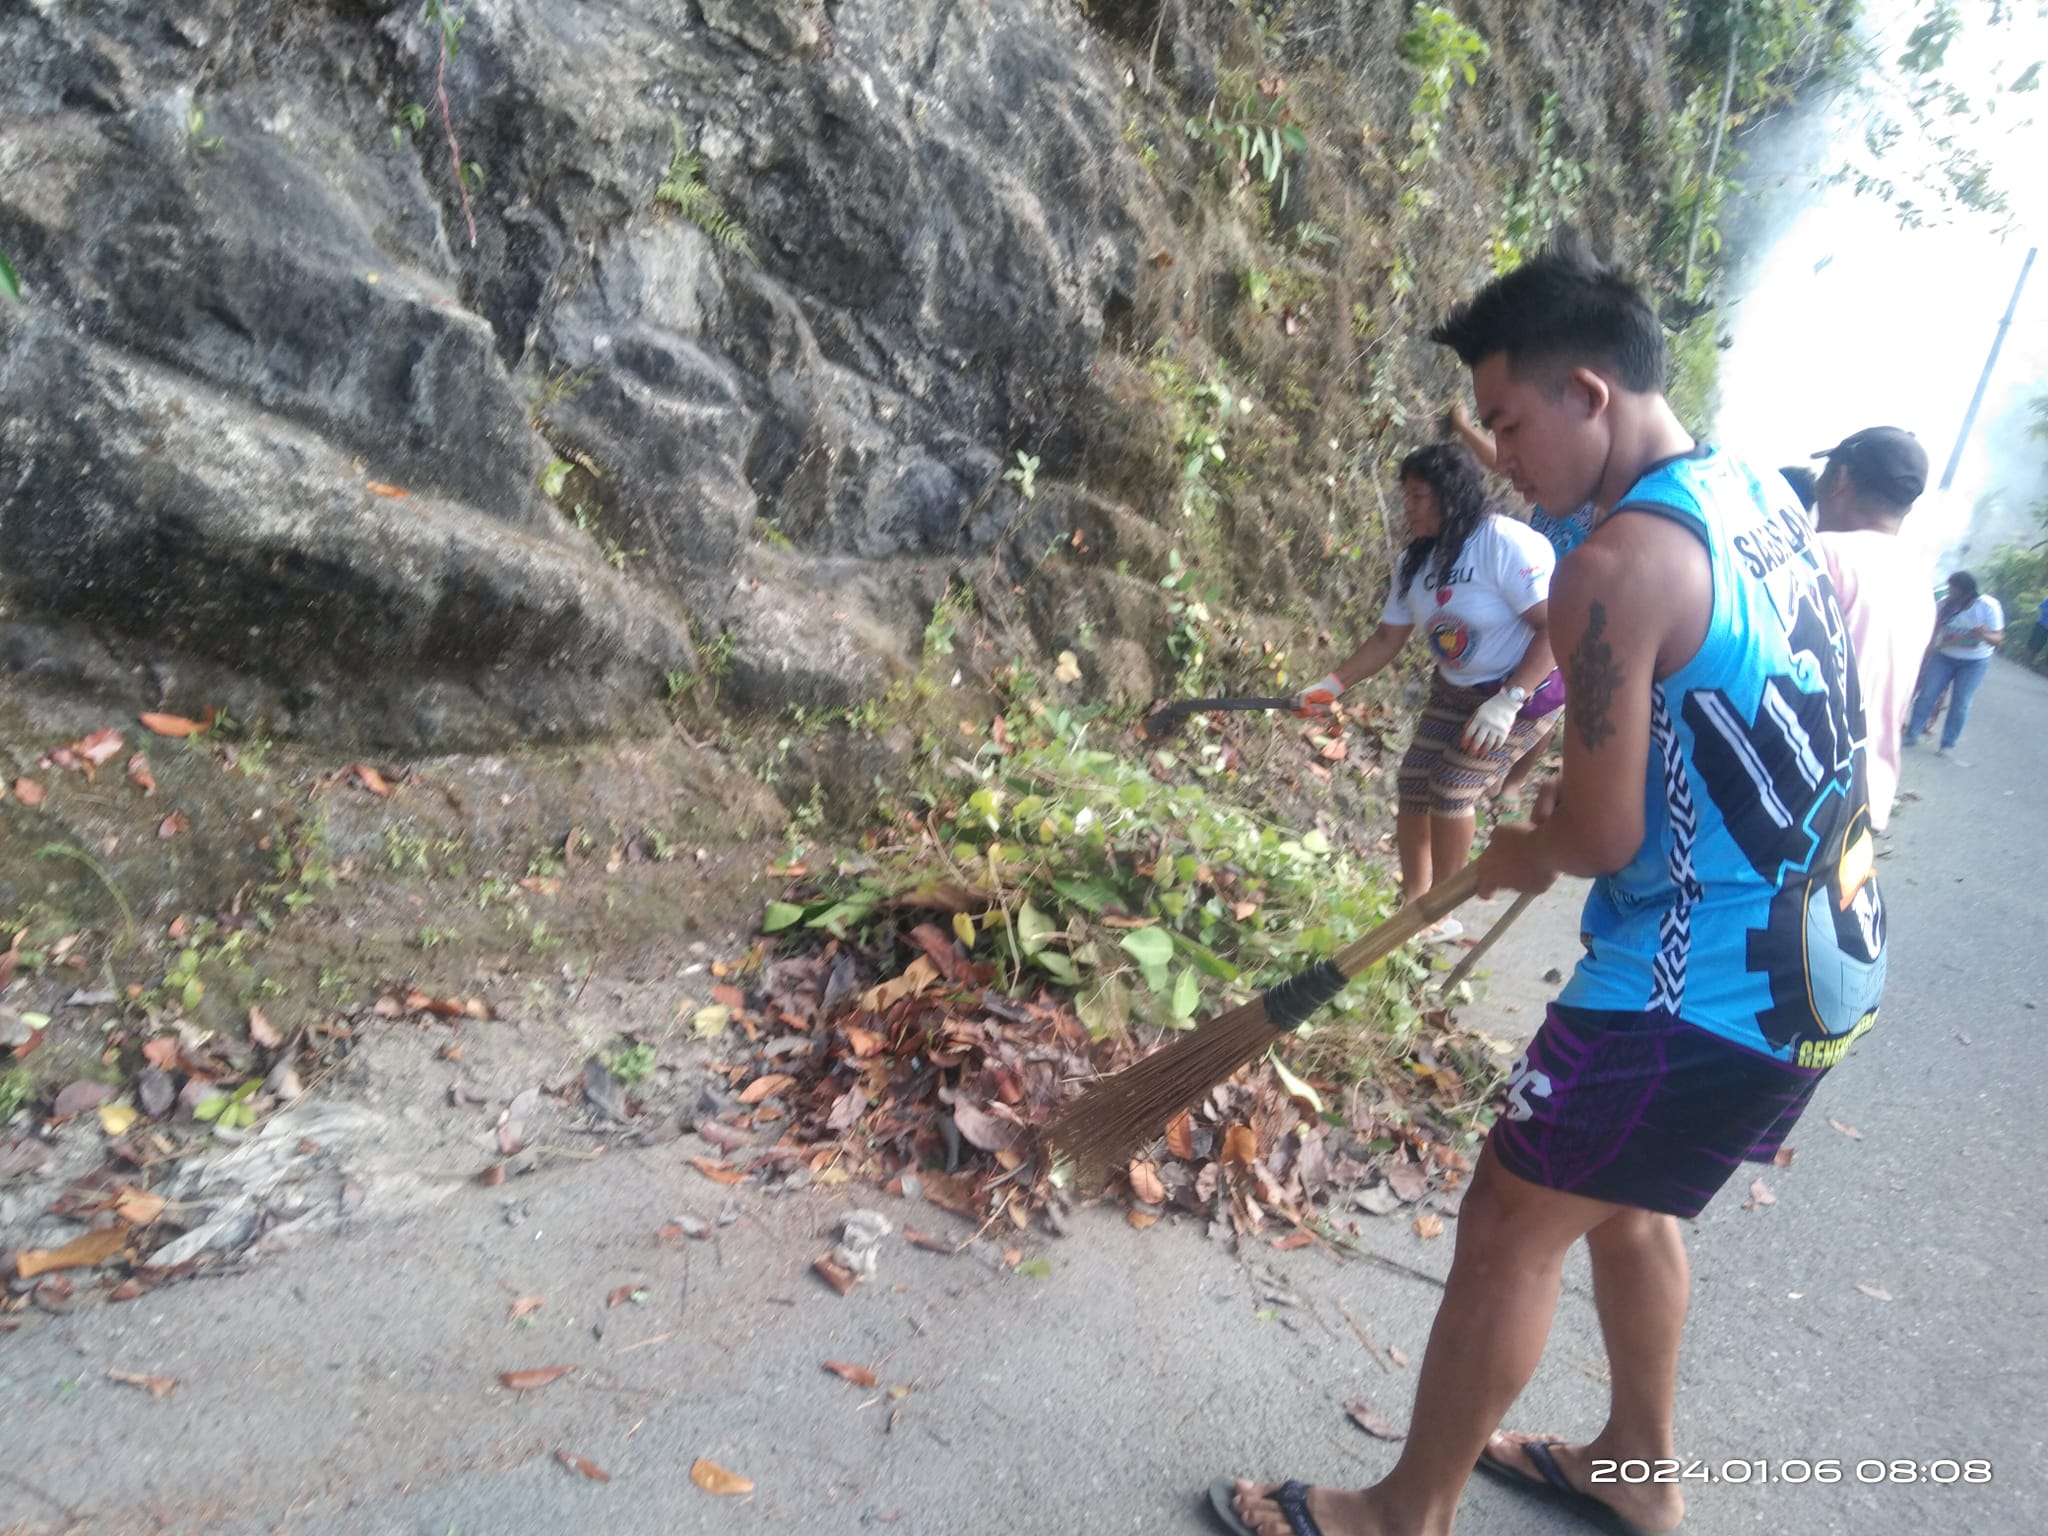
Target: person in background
x,y
1565,535
1872,479
1805,484
2039,637
1969,626
1478,585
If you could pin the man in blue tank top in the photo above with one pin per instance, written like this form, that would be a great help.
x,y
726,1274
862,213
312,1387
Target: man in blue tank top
x,y
1713,789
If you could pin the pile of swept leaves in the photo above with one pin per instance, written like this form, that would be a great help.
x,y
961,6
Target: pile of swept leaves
x,y
935,1001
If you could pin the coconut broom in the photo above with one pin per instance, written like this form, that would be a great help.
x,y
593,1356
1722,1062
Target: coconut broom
x,y
1114,1117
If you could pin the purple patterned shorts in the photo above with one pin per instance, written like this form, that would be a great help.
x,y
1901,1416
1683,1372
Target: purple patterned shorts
x,y
1642,1110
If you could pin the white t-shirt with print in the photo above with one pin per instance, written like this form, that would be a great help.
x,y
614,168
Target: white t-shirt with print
x,y
1472,619
1982,614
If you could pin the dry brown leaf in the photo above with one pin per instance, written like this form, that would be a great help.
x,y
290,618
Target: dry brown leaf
x,y
1398,1356
1408,1181
766,1087
585,1465
865,1042
172,825
492,1176
28,791
1760,1192
621,1295
162,1052
1874,1292
262,1032
859,1375
1428,1225
139,774
1849,1131
526,1306
926,1241
1180,1135
170,725
1363,1416
137,1207
1145,1183
533,1380
83,1252
1784,1155
1240,1146
838,1276
370,779
156,1386
731,996
983,1129
1293,1240
99,746
392,492
1334,751
713,1478
724,1173
917,976
1141,1219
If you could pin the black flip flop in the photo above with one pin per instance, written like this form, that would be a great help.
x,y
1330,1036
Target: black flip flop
x,y
1291,1497
1556,1489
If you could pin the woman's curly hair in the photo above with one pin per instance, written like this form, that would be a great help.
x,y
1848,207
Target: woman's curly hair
x,y
1449,469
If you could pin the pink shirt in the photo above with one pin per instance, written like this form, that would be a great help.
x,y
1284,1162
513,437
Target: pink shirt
x,y
1887,594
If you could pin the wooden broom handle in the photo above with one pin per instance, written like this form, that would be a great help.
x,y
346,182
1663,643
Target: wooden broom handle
x,y
1445,897
1478,951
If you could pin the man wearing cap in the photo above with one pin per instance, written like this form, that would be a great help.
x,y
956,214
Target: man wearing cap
x,y
1871,481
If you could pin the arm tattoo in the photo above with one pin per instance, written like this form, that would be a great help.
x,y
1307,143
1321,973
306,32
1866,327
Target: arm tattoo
x,y
1592,679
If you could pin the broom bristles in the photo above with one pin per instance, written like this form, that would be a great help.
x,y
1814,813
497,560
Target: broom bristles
x,y
1114,1117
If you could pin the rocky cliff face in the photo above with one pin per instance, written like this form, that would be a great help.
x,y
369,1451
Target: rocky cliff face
x,y
762,298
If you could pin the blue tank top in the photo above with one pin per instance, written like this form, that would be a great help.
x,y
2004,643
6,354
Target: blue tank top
x,y
1565,533
1751,909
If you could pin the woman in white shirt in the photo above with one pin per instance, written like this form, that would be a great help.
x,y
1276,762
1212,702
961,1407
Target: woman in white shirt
x,y
1968,627
1477,584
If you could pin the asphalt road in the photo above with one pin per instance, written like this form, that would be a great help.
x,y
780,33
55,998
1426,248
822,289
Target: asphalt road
x,y
350,1383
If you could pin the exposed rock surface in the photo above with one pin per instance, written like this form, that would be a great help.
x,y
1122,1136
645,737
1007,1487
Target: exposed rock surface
x,y
726,333
254,310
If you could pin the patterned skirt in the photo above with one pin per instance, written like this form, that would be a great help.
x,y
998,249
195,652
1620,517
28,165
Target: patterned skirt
x,y
1438,775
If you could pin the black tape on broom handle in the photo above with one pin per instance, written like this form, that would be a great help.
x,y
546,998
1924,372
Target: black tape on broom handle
x,y
1291,1002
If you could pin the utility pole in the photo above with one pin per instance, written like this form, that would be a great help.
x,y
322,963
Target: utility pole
x,y
1984,379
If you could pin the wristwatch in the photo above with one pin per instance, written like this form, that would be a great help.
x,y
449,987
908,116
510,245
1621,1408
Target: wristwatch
x,y
1516,695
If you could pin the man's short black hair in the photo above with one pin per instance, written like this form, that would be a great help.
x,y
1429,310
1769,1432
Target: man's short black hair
x,y
1561,309
1805,484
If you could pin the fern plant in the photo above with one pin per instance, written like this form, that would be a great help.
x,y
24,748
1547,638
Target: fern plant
x,y
683,189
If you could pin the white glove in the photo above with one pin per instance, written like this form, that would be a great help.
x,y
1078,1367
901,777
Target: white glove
x,y
1491,724
1320,699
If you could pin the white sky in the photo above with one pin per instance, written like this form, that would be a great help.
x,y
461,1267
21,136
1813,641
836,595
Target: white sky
x,y
1853,322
